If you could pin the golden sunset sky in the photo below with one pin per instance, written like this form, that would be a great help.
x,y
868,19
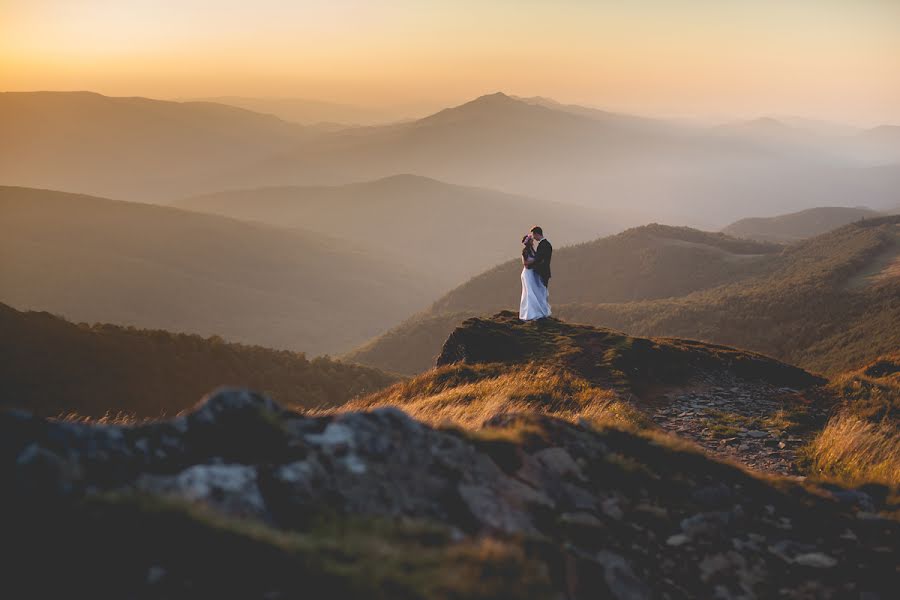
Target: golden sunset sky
x,y
831,59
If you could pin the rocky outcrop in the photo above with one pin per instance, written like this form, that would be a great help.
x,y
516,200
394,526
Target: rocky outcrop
x,y
610,357
601,513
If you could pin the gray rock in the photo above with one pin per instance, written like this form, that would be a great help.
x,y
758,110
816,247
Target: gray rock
x,y
230,488
620,578
706,524
817,560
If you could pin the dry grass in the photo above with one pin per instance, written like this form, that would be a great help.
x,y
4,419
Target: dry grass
x,y
873,392
466,396
854,451
109,418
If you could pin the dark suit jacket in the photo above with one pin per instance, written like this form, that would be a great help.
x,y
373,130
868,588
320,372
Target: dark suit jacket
x,y
542,258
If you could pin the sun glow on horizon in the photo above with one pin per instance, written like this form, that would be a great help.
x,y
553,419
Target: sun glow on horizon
x,y
831,59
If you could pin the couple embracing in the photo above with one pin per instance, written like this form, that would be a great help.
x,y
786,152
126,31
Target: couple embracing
x,y
535,276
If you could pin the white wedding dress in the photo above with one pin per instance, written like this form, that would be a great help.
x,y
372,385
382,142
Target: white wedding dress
x,y
535,297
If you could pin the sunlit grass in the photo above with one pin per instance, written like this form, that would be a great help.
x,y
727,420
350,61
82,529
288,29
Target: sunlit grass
x,y
467,396
109,418
853,451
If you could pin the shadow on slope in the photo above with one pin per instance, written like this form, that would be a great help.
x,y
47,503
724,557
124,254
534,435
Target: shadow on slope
x,y
50,366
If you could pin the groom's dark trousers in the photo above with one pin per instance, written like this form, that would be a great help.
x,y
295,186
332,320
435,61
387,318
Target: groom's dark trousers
x,y
541,264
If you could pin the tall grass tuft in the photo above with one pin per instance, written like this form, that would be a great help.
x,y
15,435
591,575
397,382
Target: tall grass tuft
x,y
466,396
854,451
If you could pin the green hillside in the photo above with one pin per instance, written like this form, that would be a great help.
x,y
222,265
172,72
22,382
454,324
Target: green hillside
x,y
51,366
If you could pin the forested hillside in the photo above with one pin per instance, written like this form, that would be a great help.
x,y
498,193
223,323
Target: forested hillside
x,y
50,366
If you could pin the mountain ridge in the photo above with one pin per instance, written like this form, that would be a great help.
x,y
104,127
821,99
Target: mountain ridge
x,y
799,225
165,267
413,219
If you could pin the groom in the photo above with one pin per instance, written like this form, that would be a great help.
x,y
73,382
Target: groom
x,y
542,255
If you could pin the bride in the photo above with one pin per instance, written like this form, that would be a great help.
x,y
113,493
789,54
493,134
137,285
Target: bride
x,y
534,303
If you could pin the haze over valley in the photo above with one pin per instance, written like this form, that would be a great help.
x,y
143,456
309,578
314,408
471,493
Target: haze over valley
x,y
631,169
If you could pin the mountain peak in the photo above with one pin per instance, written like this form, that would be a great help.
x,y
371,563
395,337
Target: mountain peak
x,y
488,105
495,97
497,100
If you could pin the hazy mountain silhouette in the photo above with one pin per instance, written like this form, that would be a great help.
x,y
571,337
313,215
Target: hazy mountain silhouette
x,y
827,303
775,132
799,225
135,148
880,143
642,169
313,112
93,259
51,366
595,114
451,231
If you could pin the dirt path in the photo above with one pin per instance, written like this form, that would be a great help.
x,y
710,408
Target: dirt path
x,y
755,424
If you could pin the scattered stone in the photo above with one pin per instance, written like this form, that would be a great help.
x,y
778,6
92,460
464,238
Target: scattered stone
x,y
815,559
620,578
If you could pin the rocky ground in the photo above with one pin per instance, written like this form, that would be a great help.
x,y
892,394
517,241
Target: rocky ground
x,y
572,512
241,498
742,406
754,423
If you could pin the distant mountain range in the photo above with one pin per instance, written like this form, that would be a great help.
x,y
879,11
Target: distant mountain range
x,y
94,259
317,112
642,169
828,303
452,232
133,148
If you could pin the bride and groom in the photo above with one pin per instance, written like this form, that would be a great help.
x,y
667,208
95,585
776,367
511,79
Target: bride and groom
x,y
535,276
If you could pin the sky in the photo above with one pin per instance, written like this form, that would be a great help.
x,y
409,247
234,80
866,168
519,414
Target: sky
x,y
826,59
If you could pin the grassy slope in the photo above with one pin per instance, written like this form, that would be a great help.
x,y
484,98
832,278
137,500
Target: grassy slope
x,y
50,366
807,304
564,370
654,261
585,374
807,310
862,441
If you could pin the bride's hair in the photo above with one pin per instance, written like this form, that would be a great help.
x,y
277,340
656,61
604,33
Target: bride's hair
x,y
527,239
